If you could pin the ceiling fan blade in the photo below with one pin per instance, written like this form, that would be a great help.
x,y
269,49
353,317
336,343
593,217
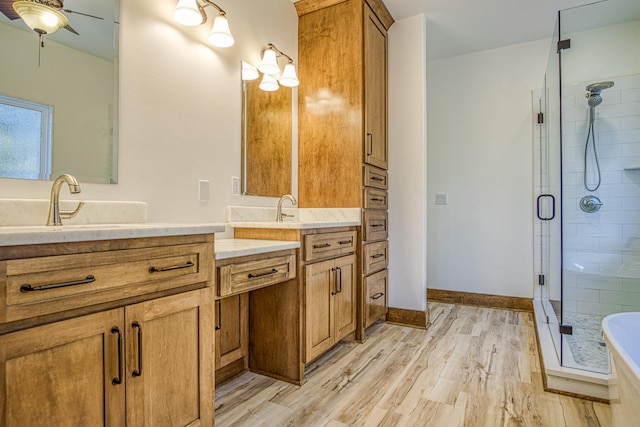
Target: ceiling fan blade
x,y
77,13
6,7
70,28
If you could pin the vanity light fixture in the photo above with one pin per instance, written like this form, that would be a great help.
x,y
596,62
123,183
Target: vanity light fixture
x,y
269,83
249,72
40,17
191,13
269,66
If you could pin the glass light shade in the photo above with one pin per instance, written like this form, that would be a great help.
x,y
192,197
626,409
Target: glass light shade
x,y
187,13
220,35
289,78
269,64
269,83
39,17
249,72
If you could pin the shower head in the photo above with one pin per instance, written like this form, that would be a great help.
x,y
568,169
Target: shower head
x,y
593,93
596,88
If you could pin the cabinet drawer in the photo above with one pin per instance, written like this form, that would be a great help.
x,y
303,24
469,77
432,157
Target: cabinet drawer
x,y
376,294
375,177
245,276
374,225
45,285
327,245
374,257
375,198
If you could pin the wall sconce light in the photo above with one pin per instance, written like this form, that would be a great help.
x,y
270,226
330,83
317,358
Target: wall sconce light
x,y
40,17
192,14
269,66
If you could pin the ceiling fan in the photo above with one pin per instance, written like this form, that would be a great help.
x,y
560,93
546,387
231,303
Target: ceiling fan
x,y
42,16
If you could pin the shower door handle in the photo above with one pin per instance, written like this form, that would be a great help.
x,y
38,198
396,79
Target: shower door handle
x,y
553,207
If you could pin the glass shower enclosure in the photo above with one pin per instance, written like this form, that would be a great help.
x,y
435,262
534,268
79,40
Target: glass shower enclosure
x,y
587,142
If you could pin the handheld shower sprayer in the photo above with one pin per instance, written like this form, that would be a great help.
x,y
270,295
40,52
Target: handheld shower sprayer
x,y
593,100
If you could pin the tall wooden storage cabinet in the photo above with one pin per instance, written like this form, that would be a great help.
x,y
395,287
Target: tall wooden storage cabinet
x,y
342,147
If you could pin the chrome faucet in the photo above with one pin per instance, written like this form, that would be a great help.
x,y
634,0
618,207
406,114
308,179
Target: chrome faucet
x,y
55,214
279,215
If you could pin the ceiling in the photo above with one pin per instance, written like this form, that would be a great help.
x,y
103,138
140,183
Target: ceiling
x,y
456,27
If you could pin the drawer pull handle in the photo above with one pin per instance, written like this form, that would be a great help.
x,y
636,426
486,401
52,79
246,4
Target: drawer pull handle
x,y
219,325
118,380
377,178
324,245
346,242
28,288
377,225
377,256
175,267
377,199
138,372
377,296
370,144
339,270
253,276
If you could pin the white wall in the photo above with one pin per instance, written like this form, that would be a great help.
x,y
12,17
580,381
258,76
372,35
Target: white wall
x,y
407,164
180,109
480,154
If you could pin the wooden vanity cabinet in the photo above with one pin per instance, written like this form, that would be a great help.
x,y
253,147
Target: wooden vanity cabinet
x,y
342,133
252,321
142,360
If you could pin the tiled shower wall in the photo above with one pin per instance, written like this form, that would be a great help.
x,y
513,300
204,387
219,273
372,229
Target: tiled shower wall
x,y
601,266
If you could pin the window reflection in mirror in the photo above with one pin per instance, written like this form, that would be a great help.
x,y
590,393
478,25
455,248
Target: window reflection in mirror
x,y
76,75
266,140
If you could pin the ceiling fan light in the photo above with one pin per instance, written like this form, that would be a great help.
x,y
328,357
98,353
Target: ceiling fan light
x,y
289,78
220,35
187,13
269,64
269,83
40,18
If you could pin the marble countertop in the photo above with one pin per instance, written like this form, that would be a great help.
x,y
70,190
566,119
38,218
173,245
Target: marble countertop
x,y
232,248
298,225
305,218
32,235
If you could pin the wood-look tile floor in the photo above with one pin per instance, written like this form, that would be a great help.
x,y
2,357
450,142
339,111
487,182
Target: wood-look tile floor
x,y
472,367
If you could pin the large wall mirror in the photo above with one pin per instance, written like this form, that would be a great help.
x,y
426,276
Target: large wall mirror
x,y
59,99
266,140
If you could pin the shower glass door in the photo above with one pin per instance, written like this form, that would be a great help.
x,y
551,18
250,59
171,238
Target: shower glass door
x,y
600,174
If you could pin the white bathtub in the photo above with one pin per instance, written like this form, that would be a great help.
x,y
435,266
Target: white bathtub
x,y
622,334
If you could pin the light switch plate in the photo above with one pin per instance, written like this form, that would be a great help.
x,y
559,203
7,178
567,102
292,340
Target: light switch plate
x,y
235,185
203,190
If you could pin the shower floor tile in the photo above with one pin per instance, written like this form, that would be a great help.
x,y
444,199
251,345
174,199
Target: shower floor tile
x,y
586,344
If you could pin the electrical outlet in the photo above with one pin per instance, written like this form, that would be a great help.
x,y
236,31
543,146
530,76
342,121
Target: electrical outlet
x,y
235,185
442,199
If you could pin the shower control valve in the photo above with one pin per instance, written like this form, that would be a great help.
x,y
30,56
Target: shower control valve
x,y
590,204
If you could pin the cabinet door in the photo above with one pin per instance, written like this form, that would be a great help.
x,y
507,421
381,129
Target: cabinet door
x,y
375,52
232,330
345,299
319,292
169,373
63,373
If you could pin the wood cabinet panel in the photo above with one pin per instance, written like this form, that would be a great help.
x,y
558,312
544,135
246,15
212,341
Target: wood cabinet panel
x,y
62,373
374,257
375,177
375,198
328,245
45,285
319,320
232,330
375,225
375,90
345,298
376,293
170,377
245,276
